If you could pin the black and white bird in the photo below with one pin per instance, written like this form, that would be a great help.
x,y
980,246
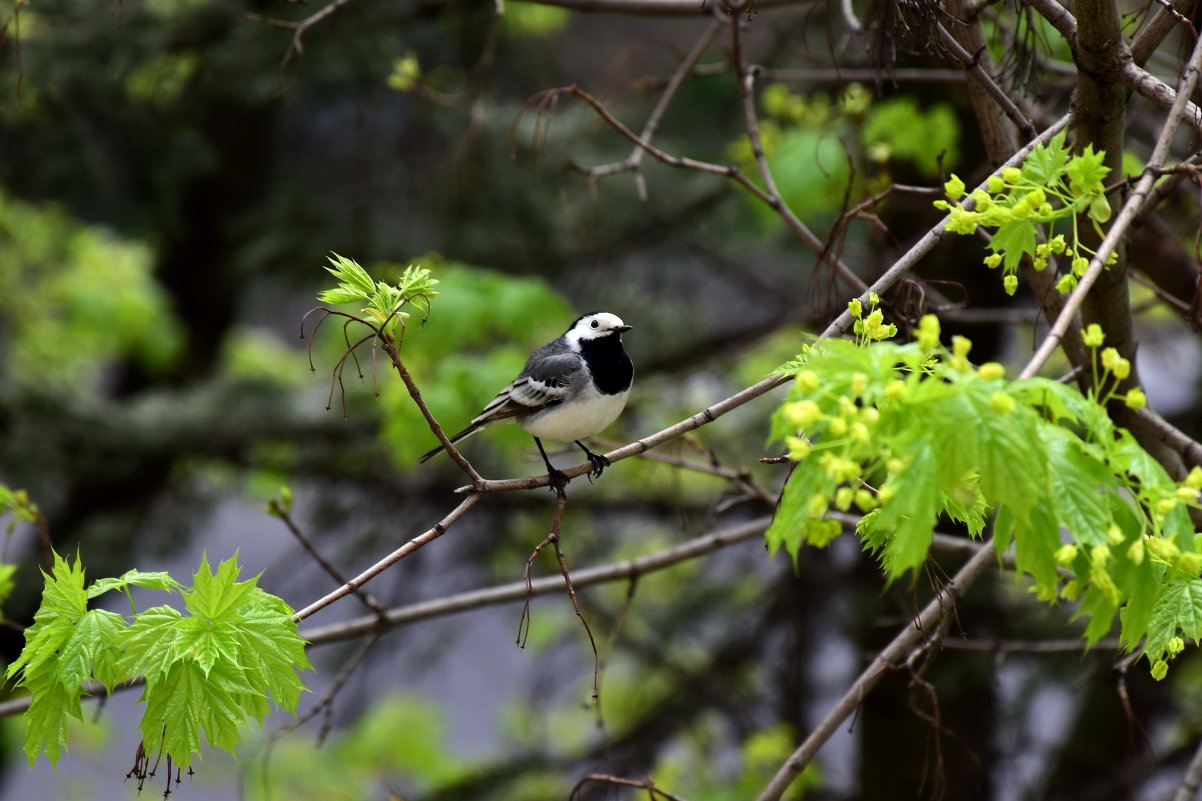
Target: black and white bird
x,y
570,389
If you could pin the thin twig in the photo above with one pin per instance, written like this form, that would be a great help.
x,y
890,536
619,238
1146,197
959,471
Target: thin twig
x,y
1077,646
394,355
653,793
683,71
973,67
276,509
549,96
628,570
327,701
895,653
298,27
746,76
431,534
1192,780
850,75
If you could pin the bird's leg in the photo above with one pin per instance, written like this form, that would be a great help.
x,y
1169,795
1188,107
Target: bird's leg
x,y
599,461
558,478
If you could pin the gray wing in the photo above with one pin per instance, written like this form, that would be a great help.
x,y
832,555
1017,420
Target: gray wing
x,y
546,381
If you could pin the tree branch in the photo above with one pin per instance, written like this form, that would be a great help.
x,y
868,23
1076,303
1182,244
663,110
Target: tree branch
x,y
412,545
896,653
516,591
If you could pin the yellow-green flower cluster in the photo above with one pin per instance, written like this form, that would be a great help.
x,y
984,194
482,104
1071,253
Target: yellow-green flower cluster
x,y
1113,364
870,328
927,334
994,206
1021,207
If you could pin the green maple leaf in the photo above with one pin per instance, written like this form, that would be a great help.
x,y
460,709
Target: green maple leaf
x,y
46,719
217,596
1085,172
211,670
905,526
150,642
351,277
205,671
1045,162
155,580
788,525
1077,484
41,667
1179,607
1013,240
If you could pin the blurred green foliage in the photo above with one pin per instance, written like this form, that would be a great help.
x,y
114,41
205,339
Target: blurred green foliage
x,y
74,299
811,142
399,740
699,772
898,130
532,19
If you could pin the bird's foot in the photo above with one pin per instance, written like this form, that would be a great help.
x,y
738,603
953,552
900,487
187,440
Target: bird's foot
x,y
598,461
557,480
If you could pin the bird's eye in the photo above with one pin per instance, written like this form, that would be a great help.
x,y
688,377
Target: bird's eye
x,y
595,324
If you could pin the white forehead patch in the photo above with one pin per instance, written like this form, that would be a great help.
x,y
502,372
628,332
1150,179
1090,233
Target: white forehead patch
x,y
592,326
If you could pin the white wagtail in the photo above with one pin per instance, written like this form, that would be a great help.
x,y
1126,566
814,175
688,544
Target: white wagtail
x,y
569,389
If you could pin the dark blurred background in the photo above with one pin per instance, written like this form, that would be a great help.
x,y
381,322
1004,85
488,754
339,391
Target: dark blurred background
x,y
173,174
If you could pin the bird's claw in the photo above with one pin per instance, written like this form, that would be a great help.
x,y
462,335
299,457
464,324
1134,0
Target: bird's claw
x,y
557,480
599,463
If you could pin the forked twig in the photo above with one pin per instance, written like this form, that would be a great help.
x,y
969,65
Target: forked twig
x,y
276,509
553,539
653,793
431,534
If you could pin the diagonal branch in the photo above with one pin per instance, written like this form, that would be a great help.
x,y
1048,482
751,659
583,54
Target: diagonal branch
x,y
431,534
837,328
973,67
633,162
627,570
896,653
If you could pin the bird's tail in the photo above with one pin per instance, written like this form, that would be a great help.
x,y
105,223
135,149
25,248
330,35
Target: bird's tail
x,y
464,434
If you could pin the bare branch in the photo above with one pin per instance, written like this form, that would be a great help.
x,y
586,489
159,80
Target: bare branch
x,y
973,67
431,534
1192,780
1140,79
298,27
276,509
850,75
509,593
653,8
896,653
635,159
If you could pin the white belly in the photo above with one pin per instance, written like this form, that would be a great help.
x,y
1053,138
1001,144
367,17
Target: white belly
x,y
576,419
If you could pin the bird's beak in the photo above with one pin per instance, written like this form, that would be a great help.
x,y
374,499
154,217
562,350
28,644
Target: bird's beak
x,y
622,329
